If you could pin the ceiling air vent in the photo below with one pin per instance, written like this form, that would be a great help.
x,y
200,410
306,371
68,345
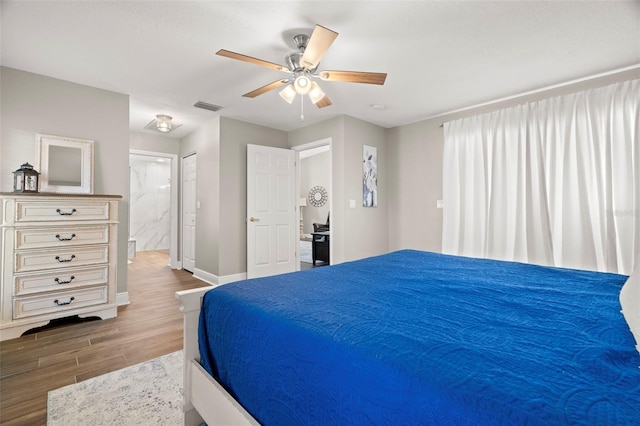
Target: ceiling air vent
x,y
205,105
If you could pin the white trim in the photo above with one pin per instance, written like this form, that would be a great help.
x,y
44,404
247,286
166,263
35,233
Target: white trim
x,y
174,262
203,398
215,280
225,279
312,145
122,299
534,91
205,276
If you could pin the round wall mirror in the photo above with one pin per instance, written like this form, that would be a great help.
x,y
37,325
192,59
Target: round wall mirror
x,y
318,196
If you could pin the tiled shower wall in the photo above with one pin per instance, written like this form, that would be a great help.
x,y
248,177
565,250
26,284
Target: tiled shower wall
x,y
150,205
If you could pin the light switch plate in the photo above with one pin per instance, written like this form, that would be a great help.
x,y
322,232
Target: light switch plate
x,y
439,204
352,204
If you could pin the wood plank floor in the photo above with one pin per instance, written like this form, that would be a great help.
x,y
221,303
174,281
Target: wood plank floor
x,y
150,326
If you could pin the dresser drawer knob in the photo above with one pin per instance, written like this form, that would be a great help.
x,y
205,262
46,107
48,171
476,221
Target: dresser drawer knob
x,y
65,239
73,256
61,213
57,302
71,278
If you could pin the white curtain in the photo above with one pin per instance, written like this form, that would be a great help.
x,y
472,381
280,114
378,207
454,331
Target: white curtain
x,y
555,182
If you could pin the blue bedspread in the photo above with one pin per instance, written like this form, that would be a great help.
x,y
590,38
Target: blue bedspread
x,y
414,338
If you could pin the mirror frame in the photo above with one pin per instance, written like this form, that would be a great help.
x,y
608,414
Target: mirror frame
x,y
44,143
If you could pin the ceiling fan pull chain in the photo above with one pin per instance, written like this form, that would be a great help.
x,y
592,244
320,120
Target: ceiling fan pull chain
x,y
301,108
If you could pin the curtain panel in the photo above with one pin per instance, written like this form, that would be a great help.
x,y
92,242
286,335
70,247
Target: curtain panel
x,y
554,182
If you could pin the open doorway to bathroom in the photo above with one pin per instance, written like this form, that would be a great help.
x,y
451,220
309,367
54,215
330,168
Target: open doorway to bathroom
x,y
153,204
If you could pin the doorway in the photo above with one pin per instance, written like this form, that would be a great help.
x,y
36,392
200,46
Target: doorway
x,y
314,180
153,205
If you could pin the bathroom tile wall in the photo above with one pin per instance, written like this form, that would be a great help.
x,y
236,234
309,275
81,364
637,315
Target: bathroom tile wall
x,y
150,202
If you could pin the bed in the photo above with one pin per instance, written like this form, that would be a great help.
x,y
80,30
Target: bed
x,y
414,337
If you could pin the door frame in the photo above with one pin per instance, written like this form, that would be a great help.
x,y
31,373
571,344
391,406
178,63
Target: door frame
x,y
174,261
304,147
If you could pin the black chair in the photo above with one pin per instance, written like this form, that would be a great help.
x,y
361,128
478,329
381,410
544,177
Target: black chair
x,y
322,227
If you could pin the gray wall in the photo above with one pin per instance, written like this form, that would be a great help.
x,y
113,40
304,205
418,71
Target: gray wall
x,y
358,232
32,103
205,142
234,137
221,148
415,160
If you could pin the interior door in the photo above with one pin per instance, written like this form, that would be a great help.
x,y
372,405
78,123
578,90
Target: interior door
x,y
272,231
189,212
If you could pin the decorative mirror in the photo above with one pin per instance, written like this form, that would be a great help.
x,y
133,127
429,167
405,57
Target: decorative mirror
x,y
318,196
65,164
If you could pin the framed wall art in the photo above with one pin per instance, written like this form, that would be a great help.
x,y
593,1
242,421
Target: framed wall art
x,y
370,176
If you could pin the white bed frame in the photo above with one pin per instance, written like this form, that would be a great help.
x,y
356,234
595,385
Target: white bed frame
x,y
204,398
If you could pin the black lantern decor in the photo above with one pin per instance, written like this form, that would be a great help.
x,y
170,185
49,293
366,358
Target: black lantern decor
x,y
25,179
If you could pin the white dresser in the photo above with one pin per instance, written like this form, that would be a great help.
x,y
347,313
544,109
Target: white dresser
x,y
59,258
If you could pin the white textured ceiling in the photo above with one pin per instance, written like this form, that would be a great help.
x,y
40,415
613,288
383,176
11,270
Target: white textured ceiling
x,y
439,55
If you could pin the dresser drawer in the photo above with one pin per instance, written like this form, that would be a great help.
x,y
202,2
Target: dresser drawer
x,y
63,210
61,258
60,236
24,307
60,280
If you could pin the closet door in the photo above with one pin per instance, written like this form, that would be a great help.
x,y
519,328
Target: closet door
x,y
189,212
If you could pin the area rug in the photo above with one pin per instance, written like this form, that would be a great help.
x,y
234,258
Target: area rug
x,y
146,393
305,252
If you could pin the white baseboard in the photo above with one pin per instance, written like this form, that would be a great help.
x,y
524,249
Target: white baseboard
x,y
215,280
232,278
205,276
122,298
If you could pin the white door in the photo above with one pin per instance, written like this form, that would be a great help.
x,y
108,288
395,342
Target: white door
x,y
189,212
272,231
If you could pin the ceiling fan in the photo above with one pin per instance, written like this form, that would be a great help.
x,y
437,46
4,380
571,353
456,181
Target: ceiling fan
x,y
303,66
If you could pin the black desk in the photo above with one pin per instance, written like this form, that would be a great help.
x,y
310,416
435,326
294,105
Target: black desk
x,y
320,246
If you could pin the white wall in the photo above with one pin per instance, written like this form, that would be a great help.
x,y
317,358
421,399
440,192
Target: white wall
x,y
32,103
315,171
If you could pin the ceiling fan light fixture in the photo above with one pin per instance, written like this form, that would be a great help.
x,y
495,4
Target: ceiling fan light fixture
x,y
316,93
163,123
302,84
288,93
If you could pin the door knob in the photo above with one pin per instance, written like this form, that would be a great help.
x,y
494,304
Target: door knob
x,y
254,219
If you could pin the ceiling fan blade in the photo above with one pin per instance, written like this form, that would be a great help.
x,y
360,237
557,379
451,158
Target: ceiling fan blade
x,y
319,42
354,76
324,102
264,89
251,60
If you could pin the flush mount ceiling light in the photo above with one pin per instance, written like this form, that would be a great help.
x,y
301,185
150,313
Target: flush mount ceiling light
x,y
304,67
162,123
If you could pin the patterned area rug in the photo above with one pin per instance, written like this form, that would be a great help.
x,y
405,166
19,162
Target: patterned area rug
x,y
305,252
145,393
